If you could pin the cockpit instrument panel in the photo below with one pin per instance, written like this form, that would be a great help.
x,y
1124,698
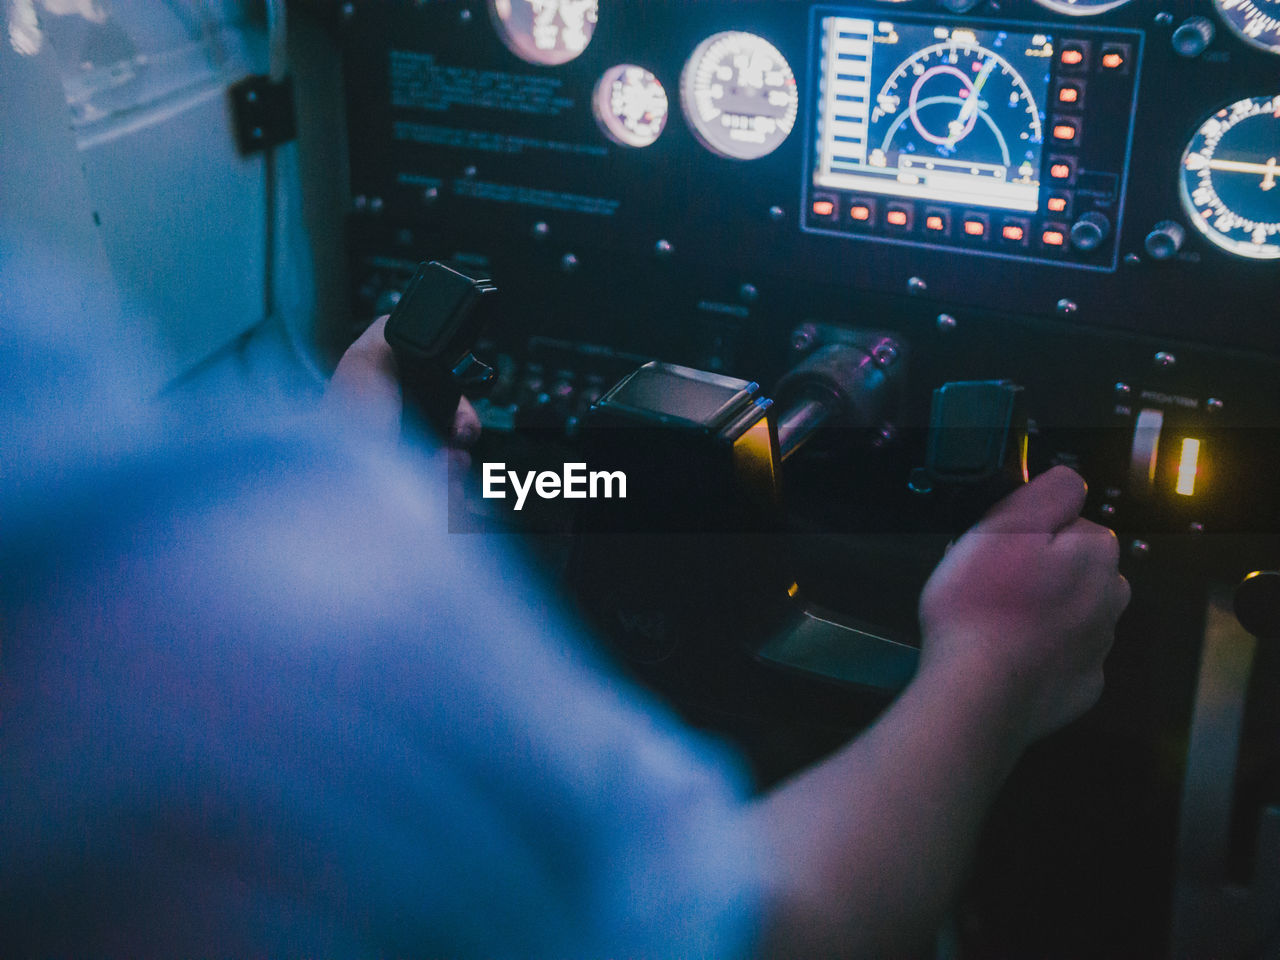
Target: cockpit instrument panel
x,y
1230,173
1081,8
545,32
739,95
1255,21
970,135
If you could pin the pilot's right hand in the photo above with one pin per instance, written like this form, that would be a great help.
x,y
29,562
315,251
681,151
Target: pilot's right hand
x,y
1024,607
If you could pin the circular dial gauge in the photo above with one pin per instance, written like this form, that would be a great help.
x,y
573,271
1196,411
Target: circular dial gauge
x,y
963,102
545,32
1231,178
630,105
739,95
1081,8
1256,21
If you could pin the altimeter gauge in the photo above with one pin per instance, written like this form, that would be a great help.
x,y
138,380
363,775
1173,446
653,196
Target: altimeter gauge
x,y
1255,21
739,95
1230,178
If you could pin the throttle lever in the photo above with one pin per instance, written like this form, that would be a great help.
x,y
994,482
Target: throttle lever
x,y
977,447
432,331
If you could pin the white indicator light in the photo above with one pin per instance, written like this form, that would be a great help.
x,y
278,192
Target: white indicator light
x,y
1187,467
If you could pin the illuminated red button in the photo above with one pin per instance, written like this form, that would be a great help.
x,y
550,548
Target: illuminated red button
x,y
1013,233
1064,131
1057,204
1113,59
897,218
935,223
860,212
1068,93
824,208
1054,238
975,228
1060,171
1072,56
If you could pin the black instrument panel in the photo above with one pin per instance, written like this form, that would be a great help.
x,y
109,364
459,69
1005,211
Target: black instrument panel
x,y
452,127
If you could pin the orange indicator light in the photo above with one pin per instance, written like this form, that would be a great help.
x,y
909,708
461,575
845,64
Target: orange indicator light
x,y
860,212
1187,467
1060,171
1064,131
1013,232
1069,95
975,228
1057,204
933,222
824,208
1054,238
1112,61
897,217
1072,57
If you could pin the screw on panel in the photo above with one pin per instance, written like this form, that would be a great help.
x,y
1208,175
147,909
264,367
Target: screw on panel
x,y
348,11
1123,389
430,195
663,248
541,229
1165,360
776,214
749,293
469,171
569,263
1107,510
1195,527
1213,405
1132,259
803,337
1164,18
1067,307
885,354
916,285
1139,548
464,15
946,322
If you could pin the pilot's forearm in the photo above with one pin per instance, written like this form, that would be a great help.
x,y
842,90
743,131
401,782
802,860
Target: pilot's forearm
x,y
869,847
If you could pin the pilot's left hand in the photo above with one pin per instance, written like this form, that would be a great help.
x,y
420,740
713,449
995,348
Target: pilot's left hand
x,y
365,387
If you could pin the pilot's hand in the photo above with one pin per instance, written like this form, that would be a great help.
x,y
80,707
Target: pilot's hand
x,y
365,387
1024,606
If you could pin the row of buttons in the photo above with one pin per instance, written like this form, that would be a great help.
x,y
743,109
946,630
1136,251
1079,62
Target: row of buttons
x,y
975,227
1076,56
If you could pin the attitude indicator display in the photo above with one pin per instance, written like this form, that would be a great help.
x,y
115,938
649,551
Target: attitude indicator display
x,y
1231,178
933,112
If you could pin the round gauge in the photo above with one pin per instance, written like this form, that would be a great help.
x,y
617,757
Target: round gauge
x,y
1081,8
1256,21
963,103
630,105
739,95
1231,178
545,32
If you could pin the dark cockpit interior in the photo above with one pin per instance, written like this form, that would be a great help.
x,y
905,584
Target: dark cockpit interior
x,y
824,280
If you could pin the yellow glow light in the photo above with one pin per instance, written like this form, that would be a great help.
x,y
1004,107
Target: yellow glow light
x,y
1187,467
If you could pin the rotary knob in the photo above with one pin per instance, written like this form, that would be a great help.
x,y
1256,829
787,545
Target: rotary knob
x,y
1090,232
1257,604
1193,36
1165,240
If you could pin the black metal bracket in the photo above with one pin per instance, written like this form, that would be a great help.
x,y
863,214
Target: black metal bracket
x,y
262,110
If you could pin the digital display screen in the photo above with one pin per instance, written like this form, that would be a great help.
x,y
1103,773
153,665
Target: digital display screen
x,y
931,112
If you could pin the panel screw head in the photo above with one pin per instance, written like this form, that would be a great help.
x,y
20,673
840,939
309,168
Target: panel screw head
x,y
569,263
663,248
1139,548
1213,405
1165,360
916,285
1067,307
946,322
